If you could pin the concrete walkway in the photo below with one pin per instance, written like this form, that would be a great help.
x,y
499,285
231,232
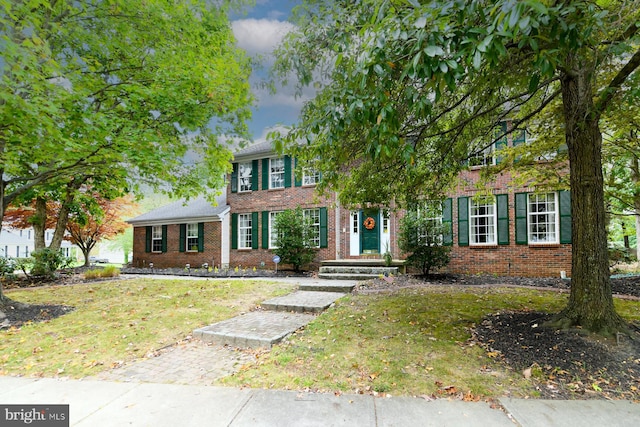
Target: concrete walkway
x,y
102,403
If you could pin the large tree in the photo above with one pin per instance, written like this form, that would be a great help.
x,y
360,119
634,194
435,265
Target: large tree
x,y
116,95
406,89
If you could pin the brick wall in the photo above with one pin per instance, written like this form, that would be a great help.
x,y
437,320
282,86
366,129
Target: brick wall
x,y
505,260
173,257
278,200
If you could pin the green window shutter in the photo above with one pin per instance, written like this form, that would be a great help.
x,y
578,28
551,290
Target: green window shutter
x,y
147,238
502,142
201,237
265,230
255,166
234,231
164,238
463,221
254,230
324,229
521,219
183,237
265,174
520,137
297,174
447,236
502,206
565,216
234,178
287,171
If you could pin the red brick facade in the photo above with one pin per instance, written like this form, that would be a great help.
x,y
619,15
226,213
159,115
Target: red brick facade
x,y
173,257
510,255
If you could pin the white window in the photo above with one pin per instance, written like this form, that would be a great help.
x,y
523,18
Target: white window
x,y
482,222
192,237
542,210
355,222
432,211
276,173
310,177
483,157
156,238
385,222
313,215
244,231
273,236
245,176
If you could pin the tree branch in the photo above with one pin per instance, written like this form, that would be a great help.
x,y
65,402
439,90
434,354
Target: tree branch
x,y
609,92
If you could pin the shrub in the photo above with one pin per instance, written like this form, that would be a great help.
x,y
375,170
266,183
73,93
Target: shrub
x,y
46,261
421,237
7,267
295,241
109,271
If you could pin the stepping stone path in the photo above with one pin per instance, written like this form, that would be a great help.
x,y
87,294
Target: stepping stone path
x,y
278,317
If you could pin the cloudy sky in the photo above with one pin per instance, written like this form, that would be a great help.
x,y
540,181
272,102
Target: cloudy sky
x,y
258,32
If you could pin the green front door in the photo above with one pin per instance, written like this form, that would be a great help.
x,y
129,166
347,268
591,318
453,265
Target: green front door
x,y
370,236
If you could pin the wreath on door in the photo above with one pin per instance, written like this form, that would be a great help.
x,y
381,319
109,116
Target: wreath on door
x,y
369,223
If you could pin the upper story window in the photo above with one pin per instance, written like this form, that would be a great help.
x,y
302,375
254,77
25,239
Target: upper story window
x,y
276,173
310,177
542,212
244,231
482,222
245,176
487,155
156,238
192,237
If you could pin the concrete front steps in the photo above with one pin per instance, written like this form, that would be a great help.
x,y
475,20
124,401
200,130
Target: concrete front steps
x,y
279,317
358,269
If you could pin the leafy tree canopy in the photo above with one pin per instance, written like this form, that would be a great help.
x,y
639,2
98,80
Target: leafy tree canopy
x,y
118,93
408,90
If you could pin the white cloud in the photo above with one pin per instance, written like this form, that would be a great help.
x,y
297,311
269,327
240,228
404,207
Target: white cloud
x,y
260,36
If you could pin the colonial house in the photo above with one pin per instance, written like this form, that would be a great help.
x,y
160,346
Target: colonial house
x,y
515,232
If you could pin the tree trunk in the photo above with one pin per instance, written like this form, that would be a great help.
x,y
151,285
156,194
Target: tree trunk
x,y
63,213
3,298
39,222
635,175
590,302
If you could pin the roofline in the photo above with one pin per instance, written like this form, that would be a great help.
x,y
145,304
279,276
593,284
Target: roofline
x,y
181,220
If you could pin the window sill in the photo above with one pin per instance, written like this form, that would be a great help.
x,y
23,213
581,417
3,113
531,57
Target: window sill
x,y
544,245
244,249
277,189
489,246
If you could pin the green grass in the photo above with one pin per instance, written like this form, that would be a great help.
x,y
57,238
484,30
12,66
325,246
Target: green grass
x,y
120,321
414,342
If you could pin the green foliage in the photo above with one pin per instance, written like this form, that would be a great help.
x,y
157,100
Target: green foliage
x,y
7,267
421,237
295,241
47,261
118,93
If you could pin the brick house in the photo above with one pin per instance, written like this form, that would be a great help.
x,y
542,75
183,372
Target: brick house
x,y
181,233
517,232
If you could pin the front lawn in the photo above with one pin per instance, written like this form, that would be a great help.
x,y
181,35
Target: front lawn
x,y
411,342
118,321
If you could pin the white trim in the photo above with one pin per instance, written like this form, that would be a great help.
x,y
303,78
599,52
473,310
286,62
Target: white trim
x,y
225,244
354,233
182,220
493,226
556,222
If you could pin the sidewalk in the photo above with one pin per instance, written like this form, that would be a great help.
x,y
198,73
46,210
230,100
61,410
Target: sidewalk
x,y
102,403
